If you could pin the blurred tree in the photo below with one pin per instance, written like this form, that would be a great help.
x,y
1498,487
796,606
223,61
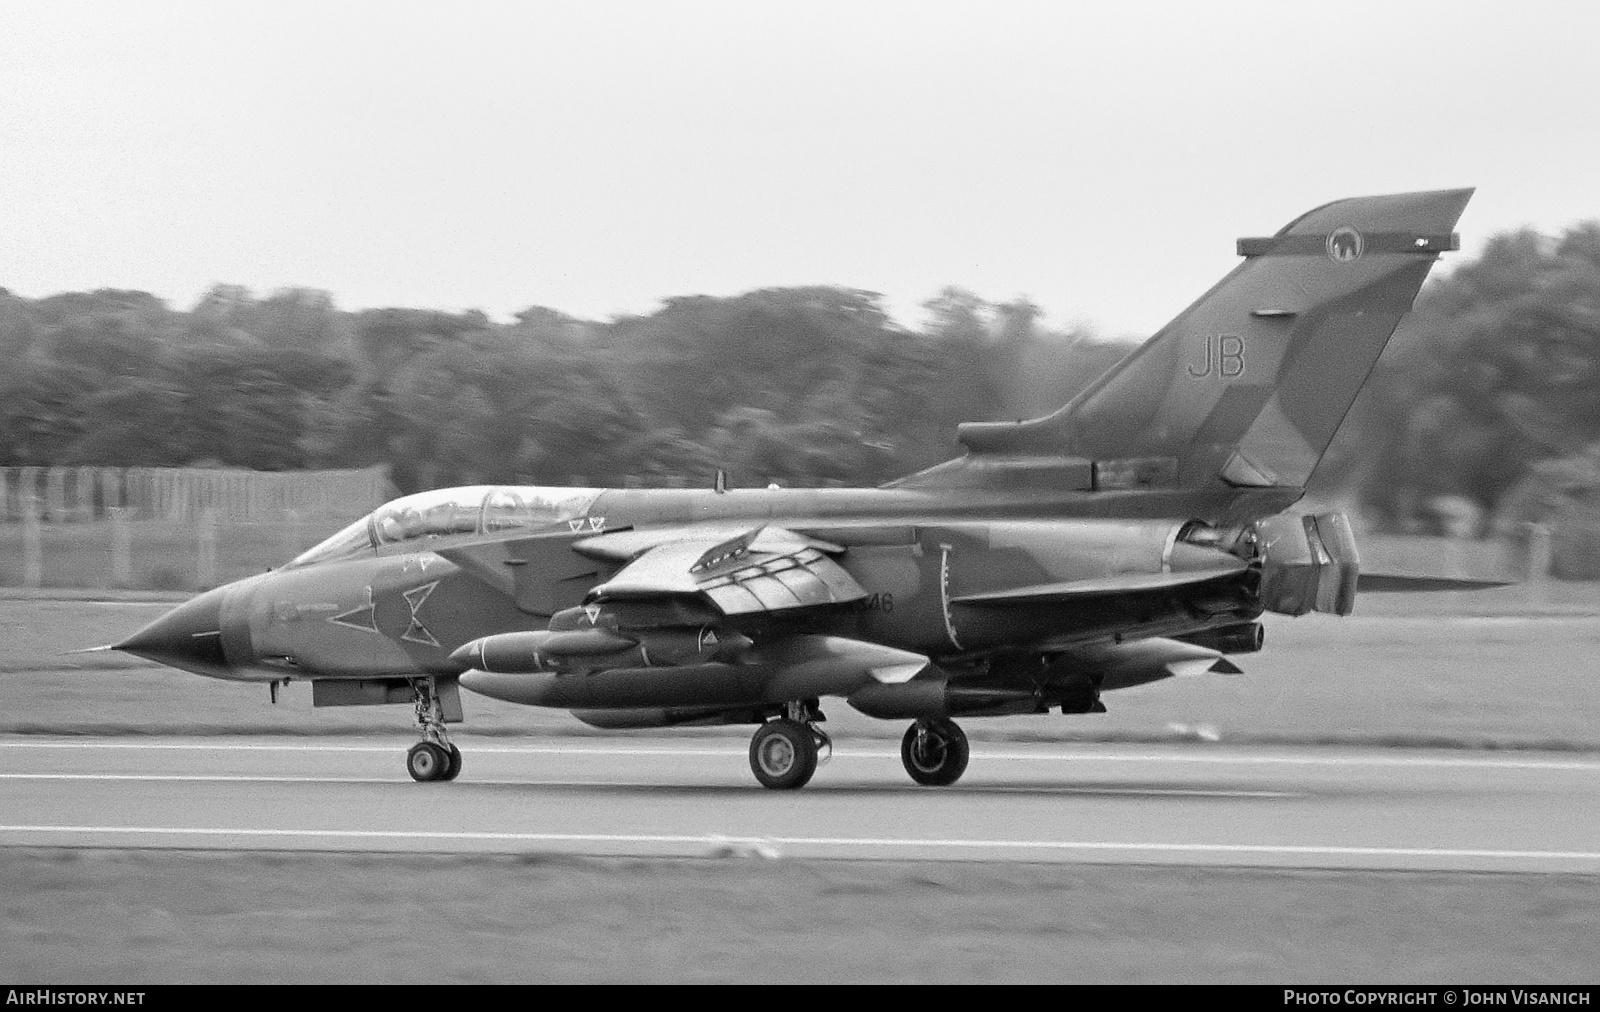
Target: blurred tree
x,y
997,362
387,339
540,325
583,424
107,332
757,446
222,316
698,356
1563,495
303,319
1055,366
1497,368
243,407
699,363
966,365
136,423
17,328
39,413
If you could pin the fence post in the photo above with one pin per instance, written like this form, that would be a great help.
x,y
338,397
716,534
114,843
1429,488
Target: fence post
x,y
142,494
110,488
32,543
55,495
1537,559
206,535
83,494
27,488
121,548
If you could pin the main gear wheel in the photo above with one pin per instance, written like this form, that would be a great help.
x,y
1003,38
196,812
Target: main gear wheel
x,y
783,754
935,752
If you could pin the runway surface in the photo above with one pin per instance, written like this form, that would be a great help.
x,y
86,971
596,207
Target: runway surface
x,y
1182,804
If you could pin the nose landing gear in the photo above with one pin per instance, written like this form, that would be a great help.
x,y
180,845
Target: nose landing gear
x,y
434,757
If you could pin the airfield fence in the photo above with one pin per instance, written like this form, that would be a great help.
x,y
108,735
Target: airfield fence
x,y
82,494
194,528
168,528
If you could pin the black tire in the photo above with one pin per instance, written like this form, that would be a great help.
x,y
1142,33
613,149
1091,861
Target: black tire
x,y
427,761
942,757
452,768
783,754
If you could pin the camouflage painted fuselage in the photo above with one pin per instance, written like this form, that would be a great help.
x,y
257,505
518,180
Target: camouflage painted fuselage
x,y
1138,530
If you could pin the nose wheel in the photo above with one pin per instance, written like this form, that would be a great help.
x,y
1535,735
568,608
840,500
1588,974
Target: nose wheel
x,y
428,761
935,752
434,757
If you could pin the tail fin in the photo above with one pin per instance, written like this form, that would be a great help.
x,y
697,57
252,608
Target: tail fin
x,y
1248,385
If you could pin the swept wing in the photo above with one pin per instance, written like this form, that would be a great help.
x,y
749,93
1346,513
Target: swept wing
x,y
763,569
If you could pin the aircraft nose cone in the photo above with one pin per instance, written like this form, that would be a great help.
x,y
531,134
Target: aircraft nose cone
x,y
187,637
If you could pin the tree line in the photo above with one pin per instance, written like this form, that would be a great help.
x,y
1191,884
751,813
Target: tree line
x,y
803,386
1497,372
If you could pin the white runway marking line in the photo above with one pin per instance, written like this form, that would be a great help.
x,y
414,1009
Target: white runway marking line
x,y
206,778
1309,850
1159,792
242,779
978,752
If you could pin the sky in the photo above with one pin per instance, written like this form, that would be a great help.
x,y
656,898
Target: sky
x,y
597,157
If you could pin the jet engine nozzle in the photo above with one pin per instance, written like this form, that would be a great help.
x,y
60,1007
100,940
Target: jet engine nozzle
x,y
1308,563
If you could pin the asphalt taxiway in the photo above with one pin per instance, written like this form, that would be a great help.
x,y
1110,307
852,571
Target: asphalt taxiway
x,y
662,795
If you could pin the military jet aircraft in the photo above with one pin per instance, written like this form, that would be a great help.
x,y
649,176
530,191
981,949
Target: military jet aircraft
x,y
1136,533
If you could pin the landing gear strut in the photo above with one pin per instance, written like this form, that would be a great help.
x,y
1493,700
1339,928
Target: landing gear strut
x,y
935,752
785,752
432,758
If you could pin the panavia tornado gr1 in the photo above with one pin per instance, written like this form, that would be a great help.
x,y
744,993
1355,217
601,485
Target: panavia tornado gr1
x,y
1137,533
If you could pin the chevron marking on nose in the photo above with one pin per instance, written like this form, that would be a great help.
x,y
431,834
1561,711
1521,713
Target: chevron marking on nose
x,y
416,632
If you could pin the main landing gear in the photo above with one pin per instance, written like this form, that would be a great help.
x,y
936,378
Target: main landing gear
x,y
432,758
785,752
935,752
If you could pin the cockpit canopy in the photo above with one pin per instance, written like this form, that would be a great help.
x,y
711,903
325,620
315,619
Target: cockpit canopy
x,y
476,509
